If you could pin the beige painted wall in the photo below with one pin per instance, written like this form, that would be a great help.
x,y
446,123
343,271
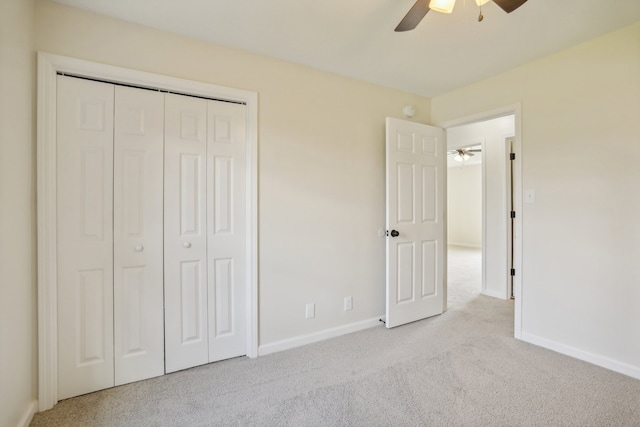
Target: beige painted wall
x,y
17,212
321,163
464,206
581,150
322,180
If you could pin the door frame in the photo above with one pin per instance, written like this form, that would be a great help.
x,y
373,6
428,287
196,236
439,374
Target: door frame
x,y
516,111
49,66
510,147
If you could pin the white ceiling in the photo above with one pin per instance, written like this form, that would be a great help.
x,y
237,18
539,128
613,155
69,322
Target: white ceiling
x,y
355,38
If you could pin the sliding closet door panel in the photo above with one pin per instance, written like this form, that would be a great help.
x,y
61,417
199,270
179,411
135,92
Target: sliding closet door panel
x,y
226,213
138,216
84,235
185,232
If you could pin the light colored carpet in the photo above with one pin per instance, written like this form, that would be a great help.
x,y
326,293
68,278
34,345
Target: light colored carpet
x,y
464,275
461,368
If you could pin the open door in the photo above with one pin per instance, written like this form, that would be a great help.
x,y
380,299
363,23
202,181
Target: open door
x,y
416,174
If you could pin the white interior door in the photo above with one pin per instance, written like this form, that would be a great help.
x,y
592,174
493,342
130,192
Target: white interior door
x,y
137,228
185,234
415,173
84,200
123,219
226,225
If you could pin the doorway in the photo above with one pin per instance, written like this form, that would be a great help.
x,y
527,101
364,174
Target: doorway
x,y
464,223
481,255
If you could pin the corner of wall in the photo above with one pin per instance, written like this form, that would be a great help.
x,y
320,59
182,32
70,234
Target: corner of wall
x,y
27,417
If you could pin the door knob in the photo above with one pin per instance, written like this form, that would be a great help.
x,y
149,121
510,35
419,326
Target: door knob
x,y
139,248
394,233
186,244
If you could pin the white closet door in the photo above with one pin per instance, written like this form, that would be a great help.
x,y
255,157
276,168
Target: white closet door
x,y
185,240
226,213
84,235
137,227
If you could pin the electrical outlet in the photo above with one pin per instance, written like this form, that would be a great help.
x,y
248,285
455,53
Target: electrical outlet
x,y
348,303
311,311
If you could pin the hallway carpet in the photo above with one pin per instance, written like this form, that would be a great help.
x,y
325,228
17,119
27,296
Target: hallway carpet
x,y
464,275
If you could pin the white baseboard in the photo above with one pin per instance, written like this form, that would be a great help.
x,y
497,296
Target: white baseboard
x,y
318,336
465,245
28,414
493,294
595,359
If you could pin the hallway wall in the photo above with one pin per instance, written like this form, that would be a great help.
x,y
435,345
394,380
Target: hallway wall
x,y
464,206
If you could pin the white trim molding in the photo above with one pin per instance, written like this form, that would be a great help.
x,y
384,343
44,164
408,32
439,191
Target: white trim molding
x,y
325,334
464,245
493,294
28,414
595,359
48,67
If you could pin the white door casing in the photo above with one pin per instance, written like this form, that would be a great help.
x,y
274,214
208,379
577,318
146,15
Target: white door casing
x,y
185,232
510,219
415,171
137,228
49,66
226,217
85,236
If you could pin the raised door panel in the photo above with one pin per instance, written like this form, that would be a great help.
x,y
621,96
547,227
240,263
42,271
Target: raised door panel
x,y
226,224
429,194
84,198
430,232
429,269
405,191
138,250
185,228
405,281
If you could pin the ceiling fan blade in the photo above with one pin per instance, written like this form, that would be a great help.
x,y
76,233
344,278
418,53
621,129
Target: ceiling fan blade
x,y
509,5
414,16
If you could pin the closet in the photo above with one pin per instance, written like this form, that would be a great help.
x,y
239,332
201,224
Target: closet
x,y
150,197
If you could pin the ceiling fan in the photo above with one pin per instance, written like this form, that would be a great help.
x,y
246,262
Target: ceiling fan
x,y
421,7
462,154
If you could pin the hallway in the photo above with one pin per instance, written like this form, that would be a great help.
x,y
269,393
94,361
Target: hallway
x,y
464,275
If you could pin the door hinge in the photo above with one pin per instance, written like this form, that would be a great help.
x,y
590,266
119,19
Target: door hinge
x,y
513,272
513,214
512,156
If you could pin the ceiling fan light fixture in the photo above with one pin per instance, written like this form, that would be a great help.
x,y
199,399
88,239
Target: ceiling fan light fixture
x,y
443,6
461,157
481,2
